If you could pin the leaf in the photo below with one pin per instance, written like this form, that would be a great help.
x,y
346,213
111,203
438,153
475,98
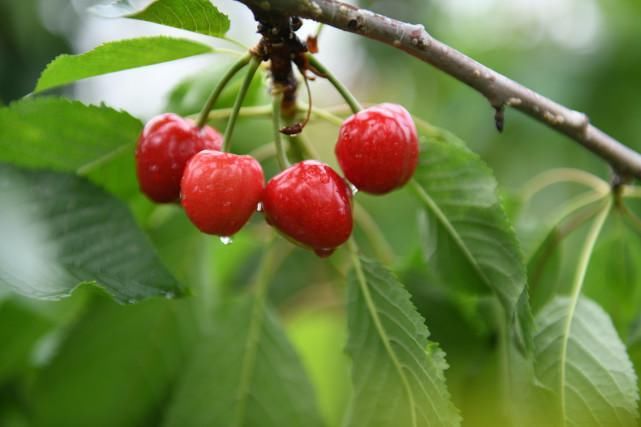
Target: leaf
x,y
20,328
117,56
614,281
544,269
116,366
60,231
319,337
191,94
600,384
397,374
199,16
68,136
469,243
246,374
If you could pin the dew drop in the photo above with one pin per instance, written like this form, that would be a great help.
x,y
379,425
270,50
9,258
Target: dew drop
x,y
353,188
324,252
259,207
226,240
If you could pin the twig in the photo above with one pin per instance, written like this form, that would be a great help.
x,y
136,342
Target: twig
x,y
498,89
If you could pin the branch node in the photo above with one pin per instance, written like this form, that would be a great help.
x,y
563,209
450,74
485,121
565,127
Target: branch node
x,y
499,117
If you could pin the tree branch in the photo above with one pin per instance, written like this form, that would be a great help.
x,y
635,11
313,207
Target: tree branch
x,y
498,89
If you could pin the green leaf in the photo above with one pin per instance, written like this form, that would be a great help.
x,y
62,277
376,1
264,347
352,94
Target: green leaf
x,y
544,269
59,231
190,94
245,374
468,241
68,136
614,281
319,337
599,387
117,56
116,366
199,16
397,374
20,328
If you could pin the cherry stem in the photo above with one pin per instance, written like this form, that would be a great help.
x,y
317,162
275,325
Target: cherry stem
x,y
308,150
374,234
281,156
239,65
344,92
229,130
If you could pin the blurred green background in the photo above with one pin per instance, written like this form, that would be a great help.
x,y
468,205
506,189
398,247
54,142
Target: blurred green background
x,y
585,54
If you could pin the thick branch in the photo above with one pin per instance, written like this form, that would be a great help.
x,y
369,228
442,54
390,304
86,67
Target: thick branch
x,y
498,89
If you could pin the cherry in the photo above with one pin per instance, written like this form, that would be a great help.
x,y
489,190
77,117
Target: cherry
x,y
165,145
220,191
310,203
377,148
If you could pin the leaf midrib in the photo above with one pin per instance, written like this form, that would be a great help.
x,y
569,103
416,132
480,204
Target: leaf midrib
x,y
382,332
248,364
440,216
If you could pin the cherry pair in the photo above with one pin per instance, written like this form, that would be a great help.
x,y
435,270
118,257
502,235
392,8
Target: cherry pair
x,y
309,202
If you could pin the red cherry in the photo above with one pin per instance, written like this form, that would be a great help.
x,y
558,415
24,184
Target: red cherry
x,y
220,191
377,148
310,203
166,144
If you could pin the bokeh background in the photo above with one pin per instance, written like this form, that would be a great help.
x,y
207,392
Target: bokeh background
x,y
585,54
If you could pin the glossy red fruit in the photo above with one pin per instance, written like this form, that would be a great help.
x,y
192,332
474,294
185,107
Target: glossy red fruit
x,y
166,144
311,204
377,148
220,191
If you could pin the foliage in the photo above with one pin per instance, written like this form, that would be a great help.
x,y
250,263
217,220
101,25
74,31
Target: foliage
x,y
458,302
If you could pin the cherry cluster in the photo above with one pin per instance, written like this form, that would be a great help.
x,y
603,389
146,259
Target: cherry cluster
x,y
309,202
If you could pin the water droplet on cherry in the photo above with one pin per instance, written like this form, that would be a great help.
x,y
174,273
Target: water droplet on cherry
x,y
226,240
324,252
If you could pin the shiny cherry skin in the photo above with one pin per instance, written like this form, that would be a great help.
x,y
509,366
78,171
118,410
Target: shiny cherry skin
x,y
166,144
377,148
310,204
220,191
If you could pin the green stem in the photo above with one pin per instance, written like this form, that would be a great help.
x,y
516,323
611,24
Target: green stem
x,y
556,176
584,261
381,247
268,265
319,29
573,205
283,162
301,140
231,123
345,93
220,86
255,111
631,191
327,116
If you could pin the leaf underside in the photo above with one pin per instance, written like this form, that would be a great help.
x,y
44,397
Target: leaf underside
x,y
115,367
245,374
59,231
